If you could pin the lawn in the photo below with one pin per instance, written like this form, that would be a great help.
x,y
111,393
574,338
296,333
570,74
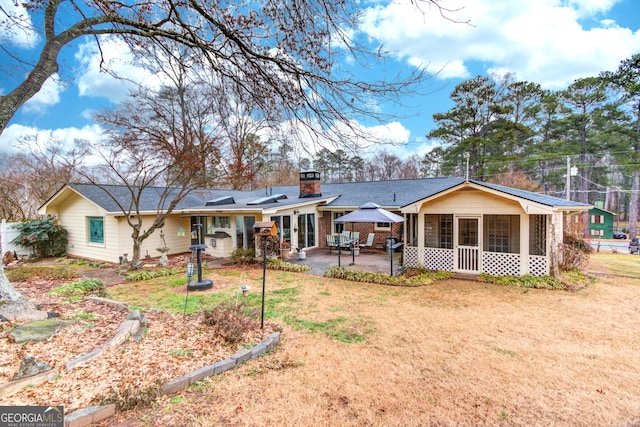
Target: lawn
x,y
451,353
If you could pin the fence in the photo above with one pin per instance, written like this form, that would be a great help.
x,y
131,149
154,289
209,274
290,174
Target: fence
x,y
7,234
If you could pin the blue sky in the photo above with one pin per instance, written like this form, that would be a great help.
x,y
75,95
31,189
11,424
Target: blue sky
x,y
550,42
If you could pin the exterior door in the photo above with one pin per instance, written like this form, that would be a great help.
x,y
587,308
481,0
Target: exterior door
x,y
468,245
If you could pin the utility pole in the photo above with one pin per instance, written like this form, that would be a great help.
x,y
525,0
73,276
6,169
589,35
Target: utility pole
x,y
568,184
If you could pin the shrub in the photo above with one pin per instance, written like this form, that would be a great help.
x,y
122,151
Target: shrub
x,y
277,264
572,256
242,256
526,281
82,287
231,320
578,243
417,277
137,276
43,236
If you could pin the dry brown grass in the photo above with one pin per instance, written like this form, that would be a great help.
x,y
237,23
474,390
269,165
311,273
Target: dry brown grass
x,y
453,353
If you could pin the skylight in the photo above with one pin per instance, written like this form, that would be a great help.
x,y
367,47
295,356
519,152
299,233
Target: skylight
x,y
268,199
224,200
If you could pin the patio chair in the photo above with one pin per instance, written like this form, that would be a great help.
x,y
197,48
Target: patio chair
x,y
331,242
345,241
346,234
355,235
369,241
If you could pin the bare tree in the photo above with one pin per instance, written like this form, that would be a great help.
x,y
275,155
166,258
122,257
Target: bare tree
x,y
389,165
284,53
158,147
243,153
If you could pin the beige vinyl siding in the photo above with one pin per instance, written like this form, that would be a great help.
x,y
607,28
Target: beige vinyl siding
x,y
176,244
465,202
73,215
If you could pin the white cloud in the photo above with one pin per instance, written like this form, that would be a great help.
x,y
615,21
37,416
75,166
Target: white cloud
x,y
538,40
12,135
115,56
48,95
17,27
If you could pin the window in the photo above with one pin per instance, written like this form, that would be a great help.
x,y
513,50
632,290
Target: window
x,y
502,233
438,231
597,232
597,219
537,235
96,229
383,226
221,222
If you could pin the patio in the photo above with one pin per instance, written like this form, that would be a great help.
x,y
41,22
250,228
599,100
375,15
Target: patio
x,y
374,261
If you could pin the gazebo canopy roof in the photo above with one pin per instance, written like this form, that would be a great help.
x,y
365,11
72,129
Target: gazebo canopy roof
x,y
371,212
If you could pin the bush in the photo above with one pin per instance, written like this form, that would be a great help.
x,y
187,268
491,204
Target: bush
x,y
572,256
578,243
137,276
242,256
81,288
231,320
43,236
416,277
276,264
526,281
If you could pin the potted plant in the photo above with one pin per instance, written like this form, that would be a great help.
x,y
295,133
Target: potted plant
x,y
285,250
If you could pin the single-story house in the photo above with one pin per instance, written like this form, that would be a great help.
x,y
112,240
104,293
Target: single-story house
x,y
451,224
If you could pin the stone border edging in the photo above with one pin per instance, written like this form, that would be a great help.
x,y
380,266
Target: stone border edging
x,y
130,327
93,414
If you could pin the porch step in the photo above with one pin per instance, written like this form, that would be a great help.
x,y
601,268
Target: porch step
x,y
466,276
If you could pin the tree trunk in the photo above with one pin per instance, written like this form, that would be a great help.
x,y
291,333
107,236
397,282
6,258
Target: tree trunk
x,y
45,68
13,306
7,292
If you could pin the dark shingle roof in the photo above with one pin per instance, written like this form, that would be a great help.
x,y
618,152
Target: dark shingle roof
x,y
387,194
528,195
104,196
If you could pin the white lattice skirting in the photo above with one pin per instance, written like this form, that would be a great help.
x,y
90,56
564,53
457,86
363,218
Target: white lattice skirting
x,y
538,266
501,264
410,257
438,259
494,263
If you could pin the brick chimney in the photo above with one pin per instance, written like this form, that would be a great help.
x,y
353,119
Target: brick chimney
x,y
310,184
